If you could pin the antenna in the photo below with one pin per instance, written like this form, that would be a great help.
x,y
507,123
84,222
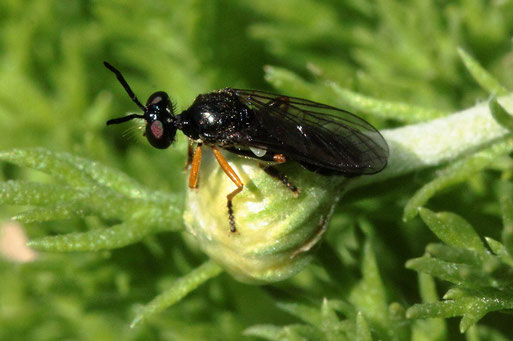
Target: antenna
x,y
123,82
124,119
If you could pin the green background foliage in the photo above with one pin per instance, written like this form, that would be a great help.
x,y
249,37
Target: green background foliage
x,y
375,276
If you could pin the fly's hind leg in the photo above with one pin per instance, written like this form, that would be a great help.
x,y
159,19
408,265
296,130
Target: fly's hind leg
x,y
275,173
236,180
282,102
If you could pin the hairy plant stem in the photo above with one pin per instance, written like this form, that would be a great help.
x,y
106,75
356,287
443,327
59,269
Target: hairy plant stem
x,y
419,146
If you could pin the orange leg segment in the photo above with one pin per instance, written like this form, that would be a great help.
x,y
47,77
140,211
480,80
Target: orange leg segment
x,y
236,180
280,158
190,153
196,159
282,103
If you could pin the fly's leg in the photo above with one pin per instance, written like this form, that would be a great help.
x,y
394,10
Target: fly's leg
x,y
282,103
279,158
190,155
236,180
196,159
273,172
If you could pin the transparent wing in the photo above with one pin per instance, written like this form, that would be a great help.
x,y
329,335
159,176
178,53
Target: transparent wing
x,y
314,134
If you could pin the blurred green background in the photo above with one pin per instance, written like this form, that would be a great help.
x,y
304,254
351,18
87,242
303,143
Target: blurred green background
x,y
55,93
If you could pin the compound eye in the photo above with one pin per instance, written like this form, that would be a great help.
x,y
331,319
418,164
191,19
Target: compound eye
x,y
158,98
156,129
158,135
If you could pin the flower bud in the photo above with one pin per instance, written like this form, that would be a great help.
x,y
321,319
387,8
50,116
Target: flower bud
x,y
276,230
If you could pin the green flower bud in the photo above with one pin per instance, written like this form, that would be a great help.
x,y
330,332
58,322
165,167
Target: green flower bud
x,y
275,229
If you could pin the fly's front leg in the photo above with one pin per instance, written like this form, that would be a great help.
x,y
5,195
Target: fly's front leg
x,y
190,155
196,159
236,180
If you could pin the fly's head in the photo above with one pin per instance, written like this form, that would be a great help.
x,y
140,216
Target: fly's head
x,y
160,120
158,113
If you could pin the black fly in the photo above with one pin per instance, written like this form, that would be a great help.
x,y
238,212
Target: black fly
x,y
264,126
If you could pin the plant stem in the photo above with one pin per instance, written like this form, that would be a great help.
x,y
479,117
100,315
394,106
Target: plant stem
x,y
433,143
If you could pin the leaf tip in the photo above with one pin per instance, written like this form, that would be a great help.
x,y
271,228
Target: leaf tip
x,y
136,321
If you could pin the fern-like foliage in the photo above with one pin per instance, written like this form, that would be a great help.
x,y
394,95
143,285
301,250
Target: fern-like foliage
x,y
438,74
87,188
482,275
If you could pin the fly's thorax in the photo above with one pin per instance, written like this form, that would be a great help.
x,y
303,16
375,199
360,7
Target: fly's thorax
x,y
216,117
